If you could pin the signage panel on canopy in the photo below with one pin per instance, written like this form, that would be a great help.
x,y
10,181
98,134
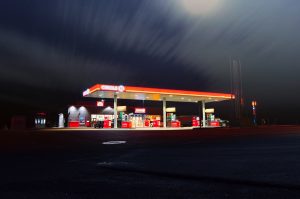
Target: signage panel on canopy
x,y
113,88
210,110
171,110
139,110
121,108
100,103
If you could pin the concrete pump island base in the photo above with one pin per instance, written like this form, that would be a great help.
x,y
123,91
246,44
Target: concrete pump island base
x,y
138,119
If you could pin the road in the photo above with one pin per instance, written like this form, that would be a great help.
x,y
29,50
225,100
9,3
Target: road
x,y
203,163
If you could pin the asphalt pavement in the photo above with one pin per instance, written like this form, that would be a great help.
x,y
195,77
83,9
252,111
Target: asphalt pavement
x,y
259,162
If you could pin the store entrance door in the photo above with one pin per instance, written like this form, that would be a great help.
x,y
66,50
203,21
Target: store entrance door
x,y
138,120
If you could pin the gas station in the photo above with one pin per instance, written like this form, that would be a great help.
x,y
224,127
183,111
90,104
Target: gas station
x,y
134,120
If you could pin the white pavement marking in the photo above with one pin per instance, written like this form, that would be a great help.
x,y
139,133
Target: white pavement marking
x,y
114,142
112,163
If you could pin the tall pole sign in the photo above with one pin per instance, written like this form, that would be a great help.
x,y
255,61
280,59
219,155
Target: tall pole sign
x,y
254,112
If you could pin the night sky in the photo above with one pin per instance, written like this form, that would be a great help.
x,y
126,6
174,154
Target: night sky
x,y
50,51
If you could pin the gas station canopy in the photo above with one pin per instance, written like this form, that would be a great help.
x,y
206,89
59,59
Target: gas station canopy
x,y
153,94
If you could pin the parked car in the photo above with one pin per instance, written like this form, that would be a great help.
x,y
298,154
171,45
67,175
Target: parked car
x,y
98,124
224,123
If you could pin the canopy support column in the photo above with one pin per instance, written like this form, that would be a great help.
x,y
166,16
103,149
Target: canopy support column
x,y
203,114
115,110
164,112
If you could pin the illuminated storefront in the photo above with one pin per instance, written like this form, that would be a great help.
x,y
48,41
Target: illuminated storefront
x,y
139,117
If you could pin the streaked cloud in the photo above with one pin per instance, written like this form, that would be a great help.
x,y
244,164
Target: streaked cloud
x,y
152,42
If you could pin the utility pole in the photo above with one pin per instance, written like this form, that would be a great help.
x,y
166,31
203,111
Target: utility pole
x,y
236,88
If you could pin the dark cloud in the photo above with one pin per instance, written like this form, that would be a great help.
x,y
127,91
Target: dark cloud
x,y
70,45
